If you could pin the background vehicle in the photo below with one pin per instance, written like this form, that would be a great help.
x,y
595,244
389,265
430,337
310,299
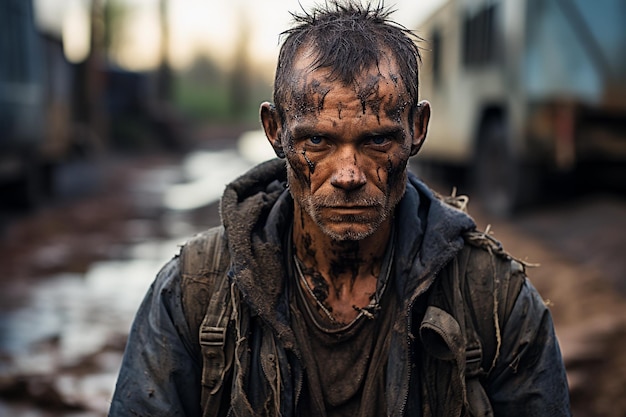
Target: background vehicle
x,y
524,91
22,102
44,118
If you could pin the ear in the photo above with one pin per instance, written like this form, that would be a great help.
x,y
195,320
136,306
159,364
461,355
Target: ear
x,y
272,126
421,116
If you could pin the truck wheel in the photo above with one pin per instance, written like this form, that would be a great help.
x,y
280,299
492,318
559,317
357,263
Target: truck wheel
x,y
28,191
496,171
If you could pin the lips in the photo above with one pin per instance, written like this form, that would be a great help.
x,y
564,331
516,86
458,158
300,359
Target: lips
x,y
350,214
350,208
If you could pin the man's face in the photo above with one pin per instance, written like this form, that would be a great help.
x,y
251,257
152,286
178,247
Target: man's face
x,y
347,148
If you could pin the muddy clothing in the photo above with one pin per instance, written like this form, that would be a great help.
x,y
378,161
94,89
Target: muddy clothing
x,y
345,364
450,296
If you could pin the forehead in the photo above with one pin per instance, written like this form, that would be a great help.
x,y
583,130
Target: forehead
x,y
314,92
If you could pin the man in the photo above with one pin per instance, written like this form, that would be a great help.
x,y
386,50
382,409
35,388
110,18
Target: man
x,y
340,285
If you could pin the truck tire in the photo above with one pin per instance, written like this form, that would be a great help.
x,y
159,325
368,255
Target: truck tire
x,y
28,191
497,173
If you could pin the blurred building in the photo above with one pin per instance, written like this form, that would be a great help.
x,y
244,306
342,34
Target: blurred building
x,y
39,98
53,111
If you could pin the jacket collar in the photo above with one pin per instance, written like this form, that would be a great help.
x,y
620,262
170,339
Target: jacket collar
x,y
430,235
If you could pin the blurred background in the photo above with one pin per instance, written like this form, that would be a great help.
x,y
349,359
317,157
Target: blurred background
x,y
122,120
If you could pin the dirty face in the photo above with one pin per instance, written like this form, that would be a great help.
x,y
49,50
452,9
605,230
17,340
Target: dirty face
x,y
347,148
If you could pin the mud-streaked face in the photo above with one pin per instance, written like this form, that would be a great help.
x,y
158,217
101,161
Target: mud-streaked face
x,y
347,148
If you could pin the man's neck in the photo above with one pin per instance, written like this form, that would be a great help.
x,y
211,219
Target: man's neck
x,y
349,268
325,254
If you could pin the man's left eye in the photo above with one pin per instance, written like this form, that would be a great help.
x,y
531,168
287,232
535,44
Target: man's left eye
x,y
379,140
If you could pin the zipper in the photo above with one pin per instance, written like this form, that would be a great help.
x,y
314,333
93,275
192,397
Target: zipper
x,y
408,372
298,386
409,324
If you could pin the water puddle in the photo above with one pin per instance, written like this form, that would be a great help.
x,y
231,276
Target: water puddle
x,y
62,337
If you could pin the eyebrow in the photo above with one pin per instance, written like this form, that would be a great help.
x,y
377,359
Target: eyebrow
x,y
306,131
393,131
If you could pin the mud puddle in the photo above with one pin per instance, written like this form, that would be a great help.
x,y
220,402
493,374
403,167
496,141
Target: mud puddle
x,y
62,332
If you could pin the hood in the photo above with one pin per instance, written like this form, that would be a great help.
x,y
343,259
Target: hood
x,y
257,210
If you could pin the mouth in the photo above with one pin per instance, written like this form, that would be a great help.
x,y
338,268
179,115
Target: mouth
x,y
351,208
351,213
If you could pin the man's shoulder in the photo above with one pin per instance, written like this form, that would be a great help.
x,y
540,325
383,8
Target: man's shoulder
x,y
481,250
484,252
491,277
203,261
203,254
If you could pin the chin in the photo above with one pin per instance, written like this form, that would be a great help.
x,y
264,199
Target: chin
x,y
345,228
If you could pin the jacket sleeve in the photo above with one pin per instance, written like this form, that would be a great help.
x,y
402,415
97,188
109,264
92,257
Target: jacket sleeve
x,y
529,377
160,374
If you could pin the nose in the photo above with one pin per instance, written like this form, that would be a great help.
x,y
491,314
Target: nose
x,y
348,175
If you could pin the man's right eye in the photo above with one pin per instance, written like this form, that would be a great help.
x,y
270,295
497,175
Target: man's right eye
x,y
316,140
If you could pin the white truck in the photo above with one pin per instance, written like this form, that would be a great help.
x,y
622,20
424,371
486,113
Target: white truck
x,y
525,90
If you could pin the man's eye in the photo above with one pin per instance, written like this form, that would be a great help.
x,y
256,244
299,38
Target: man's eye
x,y
379,140
316,140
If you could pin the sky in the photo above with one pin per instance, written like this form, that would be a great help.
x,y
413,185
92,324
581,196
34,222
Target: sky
x,y
198,26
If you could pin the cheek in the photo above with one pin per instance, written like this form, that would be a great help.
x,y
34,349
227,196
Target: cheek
x,y
299,173
396,178
304,179
391,170
396,167
310,172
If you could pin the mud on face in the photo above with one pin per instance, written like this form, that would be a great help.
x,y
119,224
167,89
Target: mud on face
x,y
347,146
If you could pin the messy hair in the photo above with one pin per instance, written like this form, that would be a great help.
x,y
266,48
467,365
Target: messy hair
x,y
347,38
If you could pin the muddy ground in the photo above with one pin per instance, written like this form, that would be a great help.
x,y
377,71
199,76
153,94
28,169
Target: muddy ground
x,y
578,241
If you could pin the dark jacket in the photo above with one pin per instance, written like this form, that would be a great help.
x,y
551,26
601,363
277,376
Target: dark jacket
x,y
520,365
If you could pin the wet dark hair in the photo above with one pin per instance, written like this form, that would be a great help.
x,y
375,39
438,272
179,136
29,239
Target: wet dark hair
x,y
347,38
